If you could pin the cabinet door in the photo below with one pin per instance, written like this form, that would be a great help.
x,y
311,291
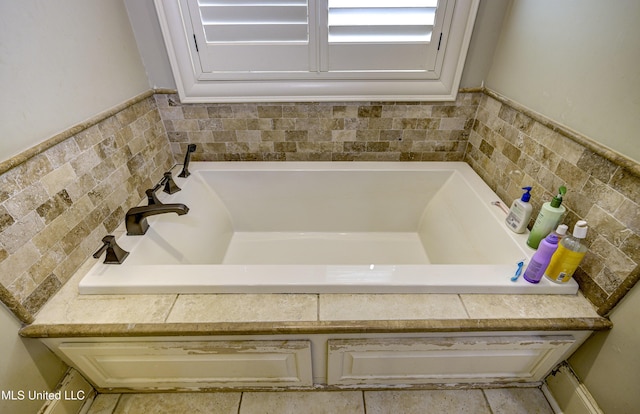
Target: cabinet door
x,y
440,360
206,364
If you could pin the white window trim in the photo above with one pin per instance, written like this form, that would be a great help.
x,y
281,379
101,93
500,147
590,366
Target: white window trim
x,y
193,89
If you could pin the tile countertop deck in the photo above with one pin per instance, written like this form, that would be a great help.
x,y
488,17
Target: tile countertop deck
x,y
69,314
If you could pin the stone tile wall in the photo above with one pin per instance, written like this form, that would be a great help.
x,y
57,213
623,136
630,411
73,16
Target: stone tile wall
x,y
511,147
56,206
353,131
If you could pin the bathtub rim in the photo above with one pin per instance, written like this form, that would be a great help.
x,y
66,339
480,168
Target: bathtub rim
x,y
494,277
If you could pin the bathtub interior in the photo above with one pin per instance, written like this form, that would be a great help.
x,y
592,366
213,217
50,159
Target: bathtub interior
x,y
316,229
362,217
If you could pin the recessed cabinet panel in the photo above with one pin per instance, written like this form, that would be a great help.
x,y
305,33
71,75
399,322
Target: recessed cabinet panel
x,y
440,360
193,364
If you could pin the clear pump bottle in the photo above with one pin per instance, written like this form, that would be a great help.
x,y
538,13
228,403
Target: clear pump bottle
x,y
568,256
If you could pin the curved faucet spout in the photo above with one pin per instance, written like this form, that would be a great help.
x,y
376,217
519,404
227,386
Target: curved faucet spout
x,y
136,218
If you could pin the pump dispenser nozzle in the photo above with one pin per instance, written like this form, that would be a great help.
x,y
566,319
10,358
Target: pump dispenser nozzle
x,y
557,200
527,195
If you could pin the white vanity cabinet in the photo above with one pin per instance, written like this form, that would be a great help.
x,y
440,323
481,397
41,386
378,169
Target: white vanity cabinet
x,y
315,360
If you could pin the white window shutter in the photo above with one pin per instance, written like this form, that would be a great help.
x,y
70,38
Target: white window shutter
x,y
385,35
253,35
312,50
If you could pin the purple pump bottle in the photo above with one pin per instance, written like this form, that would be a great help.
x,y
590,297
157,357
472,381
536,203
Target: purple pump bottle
x,y
541,259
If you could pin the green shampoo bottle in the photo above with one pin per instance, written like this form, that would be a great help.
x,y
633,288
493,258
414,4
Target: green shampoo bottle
x,y
548,219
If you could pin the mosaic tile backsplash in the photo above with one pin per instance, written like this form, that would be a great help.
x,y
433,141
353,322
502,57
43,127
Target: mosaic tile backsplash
x,y
509,150
57,205
364,131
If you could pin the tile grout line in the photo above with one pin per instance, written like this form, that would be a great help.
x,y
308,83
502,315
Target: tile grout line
x,y
115,407
464,306
487,401
240,402
364,402
173,304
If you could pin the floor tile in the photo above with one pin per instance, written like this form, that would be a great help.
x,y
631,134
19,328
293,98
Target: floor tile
x,y
431,401
476,401
518,401
343,402
172,403
104,404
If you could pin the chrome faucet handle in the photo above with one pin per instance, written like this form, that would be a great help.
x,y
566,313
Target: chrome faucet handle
x,y
115,254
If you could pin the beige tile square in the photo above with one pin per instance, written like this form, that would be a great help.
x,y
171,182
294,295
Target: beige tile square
x,y
337,307
518,401
130,309
171,403
67,306
528,306
244,308
58,179
432,401
344,402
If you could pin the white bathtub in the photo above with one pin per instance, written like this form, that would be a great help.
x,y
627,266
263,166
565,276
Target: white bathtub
x,y
318,227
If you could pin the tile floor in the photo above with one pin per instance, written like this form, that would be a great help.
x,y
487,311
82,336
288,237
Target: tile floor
x,y
485,401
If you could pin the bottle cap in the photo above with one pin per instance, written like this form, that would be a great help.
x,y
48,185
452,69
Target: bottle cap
x,y
551,239
562,229
557,200
527,195
580,229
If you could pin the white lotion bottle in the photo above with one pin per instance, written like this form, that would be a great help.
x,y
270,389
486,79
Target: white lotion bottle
x,y
520,212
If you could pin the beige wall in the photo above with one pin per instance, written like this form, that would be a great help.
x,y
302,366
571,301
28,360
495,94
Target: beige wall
x,y
26,364
609,362
146,28
486,32
575,61
61,63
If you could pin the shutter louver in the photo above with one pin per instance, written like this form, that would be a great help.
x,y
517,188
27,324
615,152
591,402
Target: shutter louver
x,y
381,21
257,21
